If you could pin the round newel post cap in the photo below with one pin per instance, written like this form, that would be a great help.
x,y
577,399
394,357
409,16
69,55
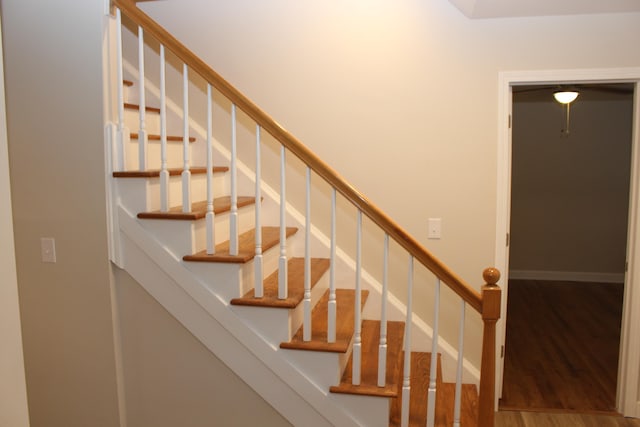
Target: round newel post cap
x,y
491,276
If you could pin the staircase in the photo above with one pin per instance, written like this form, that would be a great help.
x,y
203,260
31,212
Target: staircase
x,y
218,264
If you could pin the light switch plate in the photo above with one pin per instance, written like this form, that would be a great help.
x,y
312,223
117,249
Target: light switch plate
x,y
434,228
48,249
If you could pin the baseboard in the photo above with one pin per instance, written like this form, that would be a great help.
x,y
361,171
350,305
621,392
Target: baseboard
x,y
567,276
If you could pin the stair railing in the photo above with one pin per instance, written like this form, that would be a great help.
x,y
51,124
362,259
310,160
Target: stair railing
x,y
487,302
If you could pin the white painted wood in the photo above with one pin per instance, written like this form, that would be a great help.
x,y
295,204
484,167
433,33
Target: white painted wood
x,y
628,399
382,347
143,138
458,395
306,331
261,365
406,377
628,372
210,217
431,393
164,172
233,172
258,267
186,168
357,320
331,312
282,265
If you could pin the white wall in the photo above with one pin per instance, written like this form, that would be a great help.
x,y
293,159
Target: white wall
x,y
570,196
13,392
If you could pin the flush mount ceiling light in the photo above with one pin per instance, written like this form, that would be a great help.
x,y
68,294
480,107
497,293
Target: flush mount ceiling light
x,y
565,96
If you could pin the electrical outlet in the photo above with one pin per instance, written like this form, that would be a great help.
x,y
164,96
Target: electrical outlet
x,y
48,249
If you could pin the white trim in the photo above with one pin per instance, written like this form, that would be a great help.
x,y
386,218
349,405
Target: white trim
x,y
567,276
628,401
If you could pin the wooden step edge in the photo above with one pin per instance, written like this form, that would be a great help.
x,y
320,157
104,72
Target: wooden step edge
x,y
369,364
132,106
127,82
246,250
198,209
295,270
155,173
170,138
345,301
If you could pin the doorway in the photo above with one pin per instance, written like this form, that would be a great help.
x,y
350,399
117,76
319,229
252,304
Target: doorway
x,y
569,207
550,266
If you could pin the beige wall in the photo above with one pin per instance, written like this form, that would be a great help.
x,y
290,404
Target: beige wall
x,y
570,196
171,378
13,393
54,113
400,97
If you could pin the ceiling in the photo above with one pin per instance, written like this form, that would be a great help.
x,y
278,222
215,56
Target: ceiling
x,y
479,9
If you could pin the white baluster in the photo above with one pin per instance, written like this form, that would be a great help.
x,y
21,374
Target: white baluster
x,y
210,217
382,348
186,168
307,263
282,261
331,312
357,323
122,134
257,261
164,171
431,394
406,380
457,403
233,212
143,138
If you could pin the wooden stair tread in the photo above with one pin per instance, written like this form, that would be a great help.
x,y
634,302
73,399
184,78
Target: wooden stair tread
x,y
148,109
345,302
170,138
369,368
295,270
246,247
127,82
198,209
155,173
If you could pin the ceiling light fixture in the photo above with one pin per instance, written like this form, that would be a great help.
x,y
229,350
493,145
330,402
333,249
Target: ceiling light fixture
x,y
566,97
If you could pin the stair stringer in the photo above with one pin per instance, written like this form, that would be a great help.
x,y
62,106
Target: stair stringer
x,y
263,366
422,333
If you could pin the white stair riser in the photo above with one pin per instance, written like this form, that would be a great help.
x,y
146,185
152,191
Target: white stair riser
x,y
323,368
186,237
371,411
175,158
231,280
143,194
151,120
277,325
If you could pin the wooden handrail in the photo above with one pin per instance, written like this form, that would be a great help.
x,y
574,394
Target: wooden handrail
x,y
419,252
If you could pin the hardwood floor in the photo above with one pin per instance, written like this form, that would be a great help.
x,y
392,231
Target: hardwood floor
x,y
540,419
562,347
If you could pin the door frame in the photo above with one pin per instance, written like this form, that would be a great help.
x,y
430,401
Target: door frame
x,y
628,394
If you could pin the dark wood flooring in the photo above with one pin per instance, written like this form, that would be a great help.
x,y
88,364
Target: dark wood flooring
x,y
562,346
